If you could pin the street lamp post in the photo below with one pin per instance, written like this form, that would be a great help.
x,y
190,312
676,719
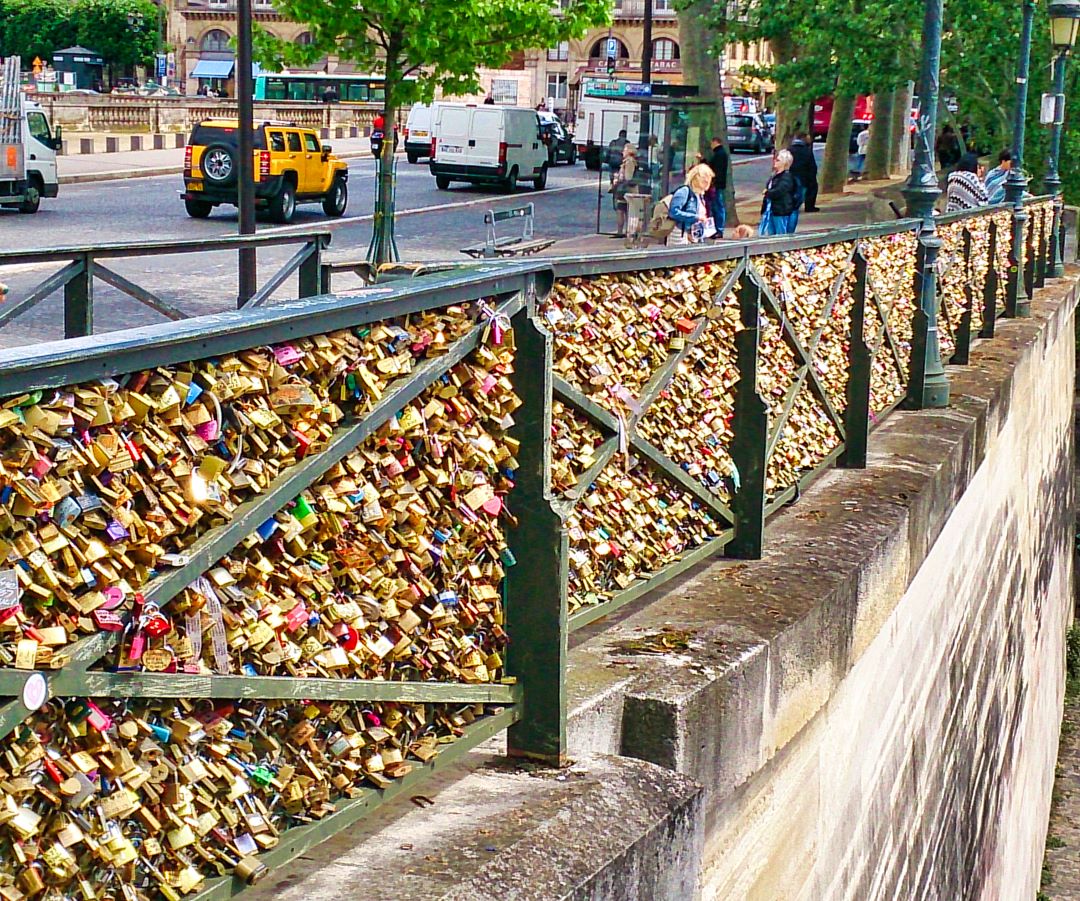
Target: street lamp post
x,y
1017,302
928,385
1064,23
245,164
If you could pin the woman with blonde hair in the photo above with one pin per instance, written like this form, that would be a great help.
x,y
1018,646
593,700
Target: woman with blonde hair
x,y
622,181
687,208
780,204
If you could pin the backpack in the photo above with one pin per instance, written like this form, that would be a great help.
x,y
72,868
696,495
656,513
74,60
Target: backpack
x,y
660,224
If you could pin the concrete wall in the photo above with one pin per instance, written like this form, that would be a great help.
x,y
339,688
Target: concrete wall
x,y
873,708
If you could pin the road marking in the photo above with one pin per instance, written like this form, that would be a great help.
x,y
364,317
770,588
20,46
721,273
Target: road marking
x,y
401,214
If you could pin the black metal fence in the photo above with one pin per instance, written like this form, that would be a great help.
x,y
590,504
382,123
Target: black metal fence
x,y
269,568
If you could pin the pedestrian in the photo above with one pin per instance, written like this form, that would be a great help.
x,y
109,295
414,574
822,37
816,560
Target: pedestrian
x,y
615,149
996,177
622,180
862,142
804,168
489,100
687,208
778,205
330,94
947,148
718,162
966,189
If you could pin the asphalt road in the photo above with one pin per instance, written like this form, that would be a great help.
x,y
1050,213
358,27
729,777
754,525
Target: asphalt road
x,y
431,225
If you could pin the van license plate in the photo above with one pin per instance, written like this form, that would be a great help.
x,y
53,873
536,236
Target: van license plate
x,y
420,134
450,148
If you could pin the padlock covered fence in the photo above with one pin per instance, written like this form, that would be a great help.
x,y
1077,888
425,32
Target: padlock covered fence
x,y
268,569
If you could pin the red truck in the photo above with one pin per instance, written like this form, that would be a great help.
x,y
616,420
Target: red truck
x,y
823,106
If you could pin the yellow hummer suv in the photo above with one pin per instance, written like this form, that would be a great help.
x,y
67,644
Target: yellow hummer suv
x,y
291,166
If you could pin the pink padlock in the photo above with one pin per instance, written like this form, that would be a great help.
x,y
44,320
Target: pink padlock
x,y
98,718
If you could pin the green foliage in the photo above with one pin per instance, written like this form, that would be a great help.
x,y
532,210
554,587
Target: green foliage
x,y
102,25
30,28
439,43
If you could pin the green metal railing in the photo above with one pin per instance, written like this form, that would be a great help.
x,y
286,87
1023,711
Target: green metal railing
x,y
662,407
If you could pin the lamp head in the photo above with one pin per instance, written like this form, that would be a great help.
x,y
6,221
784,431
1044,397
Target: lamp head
x,y
1064,23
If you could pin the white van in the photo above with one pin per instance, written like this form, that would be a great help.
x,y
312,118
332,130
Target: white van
x,y
599,122
418,130
488,145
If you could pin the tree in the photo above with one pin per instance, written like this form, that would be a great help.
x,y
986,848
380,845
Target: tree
x,y
30,28
422,46
104,27
697,41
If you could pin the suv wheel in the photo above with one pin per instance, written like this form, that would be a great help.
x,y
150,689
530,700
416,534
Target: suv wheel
x,y
219,164
198,209
336,199
283,206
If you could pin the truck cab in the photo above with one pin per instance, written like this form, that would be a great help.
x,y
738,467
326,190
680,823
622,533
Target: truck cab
x,y
28,166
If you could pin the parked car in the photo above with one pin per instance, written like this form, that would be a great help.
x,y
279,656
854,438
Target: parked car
x,y
749,132
291,166
560,143
488,145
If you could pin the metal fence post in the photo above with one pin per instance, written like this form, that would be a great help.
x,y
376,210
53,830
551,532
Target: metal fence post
x,y
1042,251
536,584
79,301
750,427
857,408
961,354
990,286
311,274
1028,273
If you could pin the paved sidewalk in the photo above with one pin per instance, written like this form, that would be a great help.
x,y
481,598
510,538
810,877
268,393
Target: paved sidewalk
x,y
145,163
855,206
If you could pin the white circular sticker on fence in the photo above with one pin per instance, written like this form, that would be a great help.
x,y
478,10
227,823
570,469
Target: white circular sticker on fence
x,y
35,691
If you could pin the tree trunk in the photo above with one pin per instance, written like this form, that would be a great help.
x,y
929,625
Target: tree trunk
x,y
790,117
900,152
881,128
834,164
700,68
383,248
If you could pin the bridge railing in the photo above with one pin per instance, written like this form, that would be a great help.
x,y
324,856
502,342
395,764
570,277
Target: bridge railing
x,y
270,568
84,265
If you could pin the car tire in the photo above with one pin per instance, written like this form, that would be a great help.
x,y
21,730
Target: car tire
x,y
573,156
198,209
442,182
218,165
337,199
32,198
283,205
509,184
759,148
413,158
540,182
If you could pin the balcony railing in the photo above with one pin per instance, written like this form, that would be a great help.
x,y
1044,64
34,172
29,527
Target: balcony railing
x,y
635,9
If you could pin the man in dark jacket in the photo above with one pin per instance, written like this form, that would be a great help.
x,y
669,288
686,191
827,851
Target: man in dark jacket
x,y
718,162
804,168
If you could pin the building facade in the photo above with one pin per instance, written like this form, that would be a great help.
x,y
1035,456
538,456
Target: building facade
x,y
201,32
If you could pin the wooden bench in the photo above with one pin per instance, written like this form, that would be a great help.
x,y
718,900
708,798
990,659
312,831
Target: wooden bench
x,y
508,245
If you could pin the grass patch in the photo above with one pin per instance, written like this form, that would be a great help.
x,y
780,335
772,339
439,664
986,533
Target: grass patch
x,y
1053,842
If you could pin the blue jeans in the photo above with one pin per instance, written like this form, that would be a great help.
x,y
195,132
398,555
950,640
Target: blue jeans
x,y
718,212
782,225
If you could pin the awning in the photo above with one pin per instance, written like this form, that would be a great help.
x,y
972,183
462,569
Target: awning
x,y
213,68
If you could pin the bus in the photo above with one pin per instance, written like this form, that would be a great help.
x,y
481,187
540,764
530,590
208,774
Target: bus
x,y
312,86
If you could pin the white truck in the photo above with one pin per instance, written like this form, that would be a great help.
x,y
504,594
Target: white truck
x,y
488,145
27,146
601,121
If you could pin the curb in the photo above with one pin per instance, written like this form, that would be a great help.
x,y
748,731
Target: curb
x,y
121,174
